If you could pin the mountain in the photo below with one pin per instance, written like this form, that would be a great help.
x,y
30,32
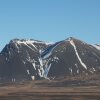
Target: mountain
x,y
19,60
97,46
23,60
71,57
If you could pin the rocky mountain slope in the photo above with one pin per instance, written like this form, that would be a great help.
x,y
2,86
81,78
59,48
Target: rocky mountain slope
x,y
22,60
71,57
19,60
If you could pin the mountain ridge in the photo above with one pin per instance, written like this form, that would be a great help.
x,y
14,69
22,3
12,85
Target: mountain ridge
x,y
22,60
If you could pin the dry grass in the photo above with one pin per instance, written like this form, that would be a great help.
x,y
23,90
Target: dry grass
x,y
64,88
37,91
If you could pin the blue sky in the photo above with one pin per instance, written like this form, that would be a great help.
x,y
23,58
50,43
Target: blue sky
x,y
49,20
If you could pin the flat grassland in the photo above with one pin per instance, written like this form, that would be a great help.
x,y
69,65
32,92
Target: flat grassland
x,y
29,91
64,88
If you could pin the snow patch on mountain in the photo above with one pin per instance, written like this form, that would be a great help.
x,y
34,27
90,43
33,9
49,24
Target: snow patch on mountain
x,y
27,43
48,51
28,72
33,64
33,77
41,66
96,46
76,52
47,68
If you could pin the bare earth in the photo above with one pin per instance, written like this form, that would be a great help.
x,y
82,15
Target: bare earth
x,y
29,91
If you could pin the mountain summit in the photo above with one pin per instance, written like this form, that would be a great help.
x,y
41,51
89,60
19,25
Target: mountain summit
x,y
71,57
